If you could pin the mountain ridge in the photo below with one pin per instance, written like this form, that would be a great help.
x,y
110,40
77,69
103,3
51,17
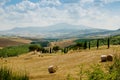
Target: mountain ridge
x,y
61,30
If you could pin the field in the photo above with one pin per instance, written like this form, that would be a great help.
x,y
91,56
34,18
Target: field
x,y
4,42
37,66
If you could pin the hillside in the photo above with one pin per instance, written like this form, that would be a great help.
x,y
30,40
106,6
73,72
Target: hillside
x,y
4,42
60,31
37,67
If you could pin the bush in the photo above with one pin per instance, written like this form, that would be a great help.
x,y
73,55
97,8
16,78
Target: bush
x,y
14,50
56,48
35,47
7,74
79,45
112,73
97,72
115,68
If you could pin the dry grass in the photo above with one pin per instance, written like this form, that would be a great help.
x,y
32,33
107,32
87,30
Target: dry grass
x,y
21,40
4,42
63,43
37,67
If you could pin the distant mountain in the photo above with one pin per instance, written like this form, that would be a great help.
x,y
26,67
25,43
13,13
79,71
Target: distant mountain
x,y
54,28
62,30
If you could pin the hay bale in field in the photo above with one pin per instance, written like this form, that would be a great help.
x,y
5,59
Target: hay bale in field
x,y
103,58
109,57
52,69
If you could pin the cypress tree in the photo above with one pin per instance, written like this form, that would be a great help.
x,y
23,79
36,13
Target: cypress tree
x,y
65,50
50,50
108,43
97,43
89,44
85,45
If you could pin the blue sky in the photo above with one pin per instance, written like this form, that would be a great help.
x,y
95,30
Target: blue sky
x,y
103,14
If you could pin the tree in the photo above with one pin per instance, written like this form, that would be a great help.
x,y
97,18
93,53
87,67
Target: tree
x,y
85,45
65,50
108,43
56,48
79,45
97,43
89,44
50,50
34,47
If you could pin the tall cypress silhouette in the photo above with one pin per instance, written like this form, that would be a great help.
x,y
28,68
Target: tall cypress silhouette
x,y
97,43
85,45
50,50
108,43
89,44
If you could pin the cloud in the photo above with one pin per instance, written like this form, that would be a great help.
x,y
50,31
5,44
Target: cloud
x,y
50,3
49,12
3,2
109,1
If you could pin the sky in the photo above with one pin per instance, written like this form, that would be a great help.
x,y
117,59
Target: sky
x,y
104,14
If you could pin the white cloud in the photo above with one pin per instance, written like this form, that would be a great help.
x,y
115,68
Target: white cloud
x,y
87,1
50,3
109,1
2,2
49,12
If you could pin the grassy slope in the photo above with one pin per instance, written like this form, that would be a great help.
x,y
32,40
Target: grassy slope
x,y
67,64
62,43
4,42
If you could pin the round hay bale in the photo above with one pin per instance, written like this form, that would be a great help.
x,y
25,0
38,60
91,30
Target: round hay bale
x,y
103,58
110,57
52,69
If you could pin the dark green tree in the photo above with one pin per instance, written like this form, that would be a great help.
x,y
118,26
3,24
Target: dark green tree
x,y
79,46
65,50
34,47
108,43
97,43
89,44
56,48
85,45
50,50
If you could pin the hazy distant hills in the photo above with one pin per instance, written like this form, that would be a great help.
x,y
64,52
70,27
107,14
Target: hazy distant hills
x,y
59,31
54,28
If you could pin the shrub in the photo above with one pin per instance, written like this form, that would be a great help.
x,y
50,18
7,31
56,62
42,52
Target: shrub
x,y
65,50
79,45
14,50
115,68
56,48
96,74
35,47
112,73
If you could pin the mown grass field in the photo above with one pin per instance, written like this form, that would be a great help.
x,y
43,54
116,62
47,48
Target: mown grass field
x,y
37,66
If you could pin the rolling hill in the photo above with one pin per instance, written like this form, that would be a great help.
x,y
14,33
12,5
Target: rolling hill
x,y
61,30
